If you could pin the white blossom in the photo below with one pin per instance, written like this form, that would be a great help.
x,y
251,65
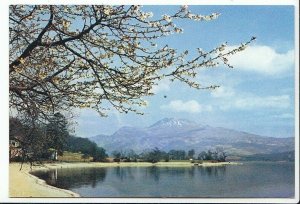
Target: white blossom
x,y
107,10
136,8
184,7
242,47
167,18
214,15
66,24
200,50
222,47
143,17
149,14
178,30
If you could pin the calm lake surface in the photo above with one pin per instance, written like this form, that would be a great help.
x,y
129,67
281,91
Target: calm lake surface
x,y
252,179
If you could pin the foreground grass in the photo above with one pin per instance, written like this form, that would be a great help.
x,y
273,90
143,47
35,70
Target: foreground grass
x,y
73,157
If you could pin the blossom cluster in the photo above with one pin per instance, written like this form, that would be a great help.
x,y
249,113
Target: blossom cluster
x,y
98,56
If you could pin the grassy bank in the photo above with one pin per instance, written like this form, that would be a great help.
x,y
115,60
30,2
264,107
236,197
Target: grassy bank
x,y
134,164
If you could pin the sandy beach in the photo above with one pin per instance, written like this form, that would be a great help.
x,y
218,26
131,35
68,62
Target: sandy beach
x,y
23,184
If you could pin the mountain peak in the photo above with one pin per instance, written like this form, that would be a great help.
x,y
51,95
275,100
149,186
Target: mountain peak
x,y
173,133
172,122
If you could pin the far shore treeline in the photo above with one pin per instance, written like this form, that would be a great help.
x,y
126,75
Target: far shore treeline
x,y
54,138
52,141
48,141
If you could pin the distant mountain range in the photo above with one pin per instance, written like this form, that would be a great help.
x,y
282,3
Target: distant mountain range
x,y
171,133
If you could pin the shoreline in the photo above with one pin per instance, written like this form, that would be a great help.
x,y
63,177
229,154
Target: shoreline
x,y
23,184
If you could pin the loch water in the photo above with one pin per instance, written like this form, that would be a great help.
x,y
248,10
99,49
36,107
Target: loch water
x,y
249,180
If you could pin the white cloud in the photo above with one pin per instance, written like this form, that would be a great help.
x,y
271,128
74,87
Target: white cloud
x,y
163,85
230,99
282,101
191,106
223,92
263,59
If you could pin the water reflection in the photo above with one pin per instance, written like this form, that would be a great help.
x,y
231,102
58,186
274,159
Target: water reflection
x,y
124,173
191,171
153,172
156,173
213,171
251,180
73,177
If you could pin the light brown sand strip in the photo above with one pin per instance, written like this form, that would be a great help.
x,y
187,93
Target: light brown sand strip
x,y
23,184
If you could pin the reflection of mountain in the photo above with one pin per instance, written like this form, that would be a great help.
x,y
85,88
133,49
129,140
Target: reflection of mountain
x,y
171,133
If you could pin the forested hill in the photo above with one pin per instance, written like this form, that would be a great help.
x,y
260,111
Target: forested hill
x,y
85,146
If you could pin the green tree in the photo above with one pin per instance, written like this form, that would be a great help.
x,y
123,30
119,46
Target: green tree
x,y
132,155
209,155
85,146
202,155
172,154
85,156
153,156
116,154
57,132
221,154
191,153
32,138
177,154
98,153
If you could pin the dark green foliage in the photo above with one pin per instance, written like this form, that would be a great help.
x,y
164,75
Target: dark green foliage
x,y
217,155
116,154
37,138
164,156
39,141
126,156
32,138
156,155
153,155
191,153
131,155
57,132
209,155
98,153
85,156
202,155
16,129
177,154
85,146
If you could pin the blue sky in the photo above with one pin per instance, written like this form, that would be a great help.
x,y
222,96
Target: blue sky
x,y
257,96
